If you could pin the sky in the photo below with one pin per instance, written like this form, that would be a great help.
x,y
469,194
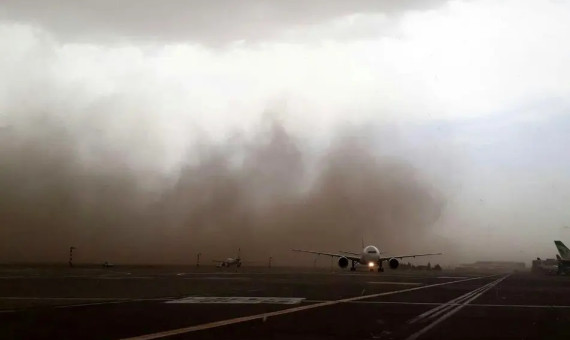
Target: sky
x,y
146,131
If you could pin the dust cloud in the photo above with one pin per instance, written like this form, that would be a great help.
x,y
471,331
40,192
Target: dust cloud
x,y
265,192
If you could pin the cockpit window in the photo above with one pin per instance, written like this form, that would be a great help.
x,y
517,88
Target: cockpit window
x,y
371,251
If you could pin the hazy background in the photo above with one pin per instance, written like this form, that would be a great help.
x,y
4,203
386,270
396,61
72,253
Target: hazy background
x,y
148,131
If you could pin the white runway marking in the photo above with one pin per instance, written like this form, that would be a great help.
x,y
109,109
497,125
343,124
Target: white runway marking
x,y
461,302
112,302
447,304
395,283
100,300
283,312
240,300
60,298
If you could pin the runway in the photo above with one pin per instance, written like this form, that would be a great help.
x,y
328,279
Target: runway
x,y
261,303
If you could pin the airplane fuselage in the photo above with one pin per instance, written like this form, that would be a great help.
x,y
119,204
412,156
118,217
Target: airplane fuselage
x,y
370,256
230,262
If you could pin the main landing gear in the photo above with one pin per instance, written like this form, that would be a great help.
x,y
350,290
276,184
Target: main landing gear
x,y
352,268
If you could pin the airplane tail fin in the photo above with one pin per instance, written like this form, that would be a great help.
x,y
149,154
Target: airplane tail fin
x,y
562,250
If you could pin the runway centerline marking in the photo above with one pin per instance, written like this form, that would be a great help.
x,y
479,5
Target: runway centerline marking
x,y
465,300
221,323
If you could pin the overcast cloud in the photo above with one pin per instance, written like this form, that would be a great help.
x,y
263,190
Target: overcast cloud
x,y
473,95
203,21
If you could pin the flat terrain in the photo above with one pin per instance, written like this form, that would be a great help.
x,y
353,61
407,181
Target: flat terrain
x,y
262,303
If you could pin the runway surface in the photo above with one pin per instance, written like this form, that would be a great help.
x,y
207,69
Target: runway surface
x,y
250,303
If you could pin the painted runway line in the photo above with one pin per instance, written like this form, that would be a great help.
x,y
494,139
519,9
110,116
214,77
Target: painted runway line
x,y
221,323
112,302
61,298
240,300
449,311
446,304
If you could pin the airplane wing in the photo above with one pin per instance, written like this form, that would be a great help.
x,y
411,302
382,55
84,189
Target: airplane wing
x,y
406,256
350,257
349,252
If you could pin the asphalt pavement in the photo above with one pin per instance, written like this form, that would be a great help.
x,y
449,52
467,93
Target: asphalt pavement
x,y
279,303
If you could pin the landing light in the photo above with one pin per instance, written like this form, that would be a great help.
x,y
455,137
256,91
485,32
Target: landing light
x,y
370,264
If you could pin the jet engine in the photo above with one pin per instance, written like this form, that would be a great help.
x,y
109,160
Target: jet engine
x,y
393,263
343,262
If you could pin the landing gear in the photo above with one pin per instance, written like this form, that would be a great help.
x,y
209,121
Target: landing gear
x,y
380,268
352,268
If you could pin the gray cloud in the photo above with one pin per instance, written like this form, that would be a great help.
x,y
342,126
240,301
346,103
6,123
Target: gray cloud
x,y
203,21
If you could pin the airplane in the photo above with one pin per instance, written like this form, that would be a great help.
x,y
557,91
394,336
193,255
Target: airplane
x,y
563,258
370,257
230,261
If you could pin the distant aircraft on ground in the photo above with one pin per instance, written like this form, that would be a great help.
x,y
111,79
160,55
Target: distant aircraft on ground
x,y
563,258
370,257
230,261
